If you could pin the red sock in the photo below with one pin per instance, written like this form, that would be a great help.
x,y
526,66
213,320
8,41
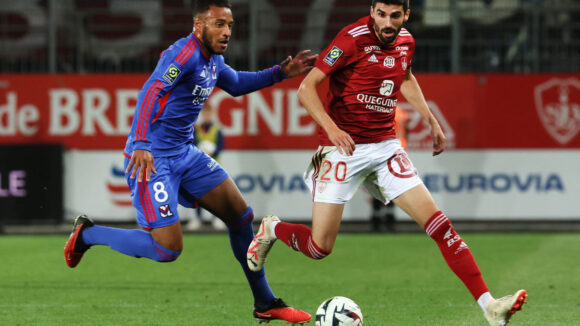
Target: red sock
x,y
456,253
299,238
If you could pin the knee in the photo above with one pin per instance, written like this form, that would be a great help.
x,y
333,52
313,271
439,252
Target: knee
x,y
320,257
324,244
168,249
169,237
320,251
165,255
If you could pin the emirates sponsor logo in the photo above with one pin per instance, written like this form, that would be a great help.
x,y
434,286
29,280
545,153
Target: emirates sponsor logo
x,y
372,48
558,106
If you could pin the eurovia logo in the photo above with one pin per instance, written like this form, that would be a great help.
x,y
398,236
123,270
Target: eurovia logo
x,y
558,106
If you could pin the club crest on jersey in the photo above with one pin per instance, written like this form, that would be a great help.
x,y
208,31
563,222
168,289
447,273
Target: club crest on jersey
x,y
171,74
404,63
400,166
165,211
333,56
213,72
389,62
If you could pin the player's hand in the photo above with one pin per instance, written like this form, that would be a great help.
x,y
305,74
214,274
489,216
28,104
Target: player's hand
x,y
439,140
300,64
342,141
142,160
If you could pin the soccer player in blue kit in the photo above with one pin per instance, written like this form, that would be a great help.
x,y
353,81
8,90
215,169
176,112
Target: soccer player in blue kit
x,y
164,168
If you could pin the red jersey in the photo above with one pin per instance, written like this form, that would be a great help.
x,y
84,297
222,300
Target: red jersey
x,y
365,78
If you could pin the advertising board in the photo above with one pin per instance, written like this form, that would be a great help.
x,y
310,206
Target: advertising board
x,y
513,142
31,181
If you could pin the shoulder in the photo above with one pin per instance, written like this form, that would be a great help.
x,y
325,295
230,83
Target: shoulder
x,y
352,37
184,50
356,32
405,38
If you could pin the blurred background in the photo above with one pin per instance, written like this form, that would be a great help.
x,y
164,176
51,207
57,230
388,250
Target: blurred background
x,y
502,77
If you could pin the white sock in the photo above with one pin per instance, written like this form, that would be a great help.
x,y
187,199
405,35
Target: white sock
x,y
273,228
484,300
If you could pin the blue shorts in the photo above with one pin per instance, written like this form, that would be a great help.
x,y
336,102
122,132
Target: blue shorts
x,y
180,179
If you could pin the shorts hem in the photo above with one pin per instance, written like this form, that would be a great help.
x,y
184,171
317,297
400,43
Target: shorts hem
x,y
221,180
151,226
404,190
330,201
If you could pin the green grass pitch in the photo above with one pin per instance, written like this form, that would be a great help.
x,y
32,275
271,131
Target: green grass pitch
x,y
396,279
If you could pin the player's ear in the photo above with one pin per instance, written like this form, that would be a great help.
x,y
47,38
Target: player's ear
x,y
407,14
197,23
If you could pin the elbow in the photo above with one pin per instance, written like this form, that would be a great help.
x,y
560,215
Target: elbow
x,y
302,92
234,92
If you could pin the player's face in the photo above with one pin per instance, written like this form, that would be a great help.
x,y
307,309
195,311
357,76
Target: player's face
x,y
214,28
389,20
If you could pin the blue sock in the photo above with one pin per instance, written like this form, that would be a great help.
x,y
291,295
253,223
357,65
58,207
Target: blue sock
x,y
136,243
241,234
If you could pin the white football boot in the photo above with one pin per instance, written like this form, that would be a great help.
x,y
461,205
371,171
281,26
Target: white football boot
x,y
261,244
499,311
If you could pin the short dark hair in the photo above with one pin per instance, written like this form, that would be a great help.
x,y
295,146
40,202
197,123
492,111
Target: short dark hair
x,y
404,3
201,6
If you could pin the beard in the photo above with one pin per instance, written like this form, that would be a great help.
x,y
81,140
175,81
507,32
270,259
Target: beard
x,y
209,45
379,33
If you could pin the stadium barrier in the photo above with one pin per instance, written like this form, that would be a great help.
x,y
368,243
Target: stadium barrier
x,y
514,148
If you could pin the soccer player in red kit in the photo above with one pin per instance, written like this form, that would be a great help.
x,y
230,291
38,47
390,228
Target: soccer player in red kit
x,y
369,65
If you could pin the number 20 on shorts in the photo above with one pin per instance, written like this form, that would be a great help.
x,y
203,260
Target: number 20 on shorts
x,y
339,169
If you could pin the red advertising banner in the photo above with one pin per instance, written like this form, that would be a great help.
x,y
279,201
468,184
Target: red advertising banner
x,y
476,112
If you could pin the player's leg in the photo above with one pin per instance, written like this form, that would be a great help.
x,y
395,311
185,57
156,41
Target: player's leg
x,y
315,243
156,205
418,203
205,181
397,179
333,180
226,202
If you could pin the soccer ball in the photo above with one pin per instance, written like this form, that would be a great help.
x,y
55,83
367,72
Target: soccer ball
x,y
339,311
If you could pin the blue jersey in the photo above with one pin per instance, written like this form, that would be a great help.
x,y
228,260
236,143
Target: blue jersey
x,y
171,99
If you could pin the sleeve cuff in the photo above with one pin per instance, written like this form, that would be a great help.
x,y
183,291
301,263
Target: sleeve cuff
x,y
142,145
278,75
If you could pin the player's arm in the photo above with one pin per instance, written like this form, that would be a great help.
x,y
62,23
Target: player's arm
x,y
412,92
238,83
167,74
309,98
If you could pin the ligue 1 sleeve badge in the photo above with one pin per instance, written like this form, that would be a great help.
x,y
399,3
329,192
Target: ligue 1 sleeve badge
x,y
333,55
558,106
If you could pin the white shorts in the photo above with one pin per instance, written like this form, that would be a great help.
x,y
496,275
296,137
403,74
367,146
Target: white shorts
x,y
383,168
